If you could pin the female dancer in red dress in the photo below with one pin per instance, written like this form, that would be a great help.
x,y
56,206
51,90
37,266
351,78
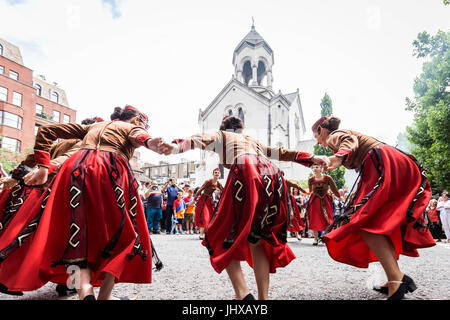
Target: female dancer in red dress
x,y
78,223
205,208
384,219
320,204
19,197
295,222
251,221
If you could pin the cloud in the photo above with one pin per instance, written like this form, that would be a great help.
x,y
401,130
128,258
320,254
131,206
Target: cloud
x,y
113,7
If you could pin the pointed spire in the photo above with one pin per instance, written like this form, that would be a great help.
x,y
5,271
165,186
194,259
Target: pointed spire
x,y
253,23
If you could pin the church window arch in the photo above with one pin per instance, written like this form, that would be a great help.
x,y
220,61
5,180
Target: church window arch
x,y
247,72
261,73
241,114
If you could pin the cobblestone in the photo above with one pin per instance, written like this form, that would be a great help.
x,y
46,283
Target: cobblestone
x,y
188,275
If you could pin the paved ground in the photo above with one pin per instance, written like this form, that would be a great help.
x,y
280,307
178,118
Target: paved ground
x,y
313,275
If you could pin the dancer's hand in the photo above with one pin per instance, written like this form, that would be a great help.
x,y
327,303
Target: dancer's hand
x,y
321,160
36,177
153,144
8,182
166,148
335,162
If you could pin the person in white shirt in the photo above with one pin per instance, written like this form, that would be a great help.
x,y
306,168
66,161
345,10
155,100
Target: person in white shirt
x,y
444,207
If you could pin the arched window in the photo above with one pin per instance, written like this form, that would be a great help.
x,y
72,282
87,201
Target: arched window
x,y
241,114
54,97
247,72
1,50
38,89
261,72
230,112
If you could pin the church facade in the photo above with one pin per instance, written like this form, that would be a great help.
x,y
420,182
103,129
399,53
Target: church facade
x,y
274,118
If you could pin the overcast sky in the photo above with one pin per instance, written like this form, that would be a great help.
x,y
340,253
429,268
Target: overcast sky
x,y
171,58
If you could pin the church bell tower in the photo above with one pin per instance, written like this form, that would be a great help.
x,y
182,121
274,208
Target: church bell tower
x,y
253,60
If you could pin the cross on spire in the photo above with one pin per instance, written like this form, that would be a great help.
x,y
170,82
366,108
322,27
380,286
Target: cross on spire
x,y
253,23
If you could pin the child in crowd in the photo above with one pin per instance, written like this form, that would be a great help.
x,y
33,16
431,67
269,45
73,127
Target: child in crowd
x,y
189,213
179,208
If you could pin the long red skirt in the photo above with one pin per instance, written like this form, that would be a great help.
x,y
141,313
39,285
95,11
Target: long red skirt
x,y
317,220
391,198
253,207
204,210
90,215
12,200
295,224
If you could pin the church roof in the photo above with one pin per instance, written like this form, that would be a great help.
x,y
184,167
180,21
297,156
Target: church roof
x,y
291,96
253,39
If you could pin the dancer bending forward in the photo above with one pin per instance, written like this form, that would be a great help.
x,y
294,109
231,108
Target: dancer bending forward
x,y
92,217
252,218
385,218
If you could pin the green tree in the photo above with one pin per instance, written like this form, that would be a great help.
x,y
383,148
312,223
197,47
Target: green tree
x,y
326,109
430,132
9,159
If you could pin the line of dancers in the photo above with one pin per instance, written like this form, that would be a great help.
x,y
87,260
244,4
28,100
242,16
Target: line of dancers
x,y
76,219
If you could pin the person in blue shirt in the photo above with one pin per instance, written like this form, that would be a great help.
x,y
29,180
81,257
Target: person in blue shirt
x,y
172,190
153,208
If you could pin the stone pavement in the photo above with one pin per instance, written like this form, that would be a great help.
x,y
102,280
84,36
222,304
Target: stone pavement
x,y
187,275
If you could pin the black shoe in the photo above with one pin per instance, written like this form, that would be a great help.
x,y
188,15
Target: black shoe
x,y
4,289
406,286
315,243
89,297
64,291
383,290
156,232
249,297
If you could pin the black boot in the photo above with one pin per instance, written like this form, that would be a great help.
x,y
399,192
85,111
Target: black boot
x,y
4,289
249,297
64,291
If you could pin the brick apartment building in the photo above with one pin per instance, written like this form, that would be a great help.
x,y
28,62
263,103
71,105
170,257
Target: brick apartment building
x,y
26,101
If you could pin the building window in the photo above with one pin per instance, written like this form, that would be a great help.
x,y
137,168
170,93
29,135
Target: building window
x,y
56,115
39,110
11,120
66,118
241,115
10,144
3,94
54,97
1,50
17,99
36,128
2,70
13,75
38,89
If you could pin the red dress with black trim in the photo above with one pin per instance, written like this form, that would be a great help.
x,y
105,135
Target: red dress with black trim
x,y
295,224
204,208
391,199
254,202
75,222
320,204
12,200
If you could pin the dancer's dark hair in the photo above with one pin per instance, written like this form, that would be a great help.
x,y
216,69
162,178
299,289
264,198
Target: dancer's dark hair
x,y
123,114
332,124
88,121
231,123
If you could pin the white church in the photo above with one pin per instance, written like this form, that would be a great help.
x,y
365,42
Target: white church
x,y
275,119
